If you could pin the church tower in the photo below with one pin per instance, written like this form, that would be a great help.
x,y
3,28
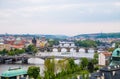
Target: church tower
x,y
34,41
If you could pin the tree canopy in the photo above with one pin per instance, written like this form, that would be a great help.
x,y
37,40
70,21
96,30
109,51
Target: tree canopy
x,y
84,63
32,48
86,43
53,42
33,71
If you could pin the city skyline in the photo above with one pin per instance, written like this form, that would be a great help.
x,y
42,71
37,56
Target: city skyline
x,y
66,17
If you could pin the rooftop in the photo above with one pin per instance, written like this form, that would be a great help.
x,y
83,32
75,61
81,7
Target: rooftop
x,y
107,53
13,72
116,53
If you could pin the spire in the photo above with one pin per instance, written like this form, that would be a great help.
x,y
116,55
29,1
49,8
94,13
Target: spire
x,y
34,41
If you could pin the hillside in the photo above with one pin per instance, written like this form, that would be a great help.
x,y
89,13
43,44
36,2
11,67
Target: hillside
x,y
99,35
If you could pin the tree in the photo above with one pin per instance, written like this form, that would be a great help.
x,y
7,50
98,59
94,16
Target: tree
x,y
53,42
33,71
90,67
11,53
72,64
117,44
111,49
84,63
96,56
39,77
19,51
95,59
49,69
63,65
32,48
35,50
86,43
4,52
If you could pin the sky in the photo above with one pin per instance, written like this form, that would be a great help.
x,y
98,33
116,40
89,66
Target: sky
x,y
66,17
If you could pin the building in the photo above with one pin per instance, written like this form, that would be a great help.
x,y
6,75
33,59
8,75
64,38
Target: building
x,y
34,41
18,43
17,46
115,58
109,72
15,73
5,46
113,70
66,44
104,58
41,43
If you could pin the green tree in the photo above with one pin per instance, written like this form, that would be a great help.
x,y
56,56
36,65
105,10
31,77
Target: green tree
x,y
11,53
90,67
32,48
33,71
49,68
19,51
83,73
117,43
39,77
96,56
4,52
35,50
83,63
72,65
95,59
86,43
111,49
52,42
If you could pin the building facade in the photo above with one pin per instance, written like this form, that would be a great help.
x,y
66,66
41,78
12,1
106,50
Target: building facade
x,y
5,46
104,58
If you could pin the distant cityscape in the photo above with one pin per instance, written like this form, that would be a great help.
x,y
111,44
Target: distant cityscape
x,y
8,41
100,51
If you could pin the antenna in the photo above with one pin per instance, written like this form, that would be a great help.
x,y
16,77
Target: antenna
x,y
101,34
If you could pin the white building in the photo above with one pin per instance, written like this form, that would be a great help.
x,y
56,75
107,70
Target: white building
x,y
103,58
66,44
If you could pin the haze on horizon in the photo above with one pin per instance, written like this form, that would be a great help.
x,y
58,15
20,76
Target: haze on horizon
x,y
68,17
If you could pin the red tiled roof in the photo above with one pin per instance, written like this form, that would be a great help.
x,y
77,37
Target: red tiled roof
x,y
107,53
18,46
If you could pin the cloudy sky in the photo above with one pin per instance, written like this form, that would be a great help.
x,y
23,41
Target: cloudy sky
x,y
69,17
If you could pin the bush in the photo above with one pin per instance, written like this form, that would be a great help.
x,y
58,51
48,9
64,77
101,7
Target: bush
x,y
96,68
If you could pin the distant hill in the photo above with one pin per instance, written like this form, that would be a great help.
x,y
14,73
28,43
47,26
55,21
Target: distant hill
x,y
99,35
50,36
94,35
55,36
37,35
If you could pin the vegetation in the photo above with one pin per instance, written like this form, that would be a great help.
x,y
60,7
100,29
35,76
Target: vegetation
x,y
67,69
90,67
64,69
100,35
110,35
86,43
12,52
49,69
32,48
117,44
95,59
34,72
84,63
4,52
111,49
53,42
